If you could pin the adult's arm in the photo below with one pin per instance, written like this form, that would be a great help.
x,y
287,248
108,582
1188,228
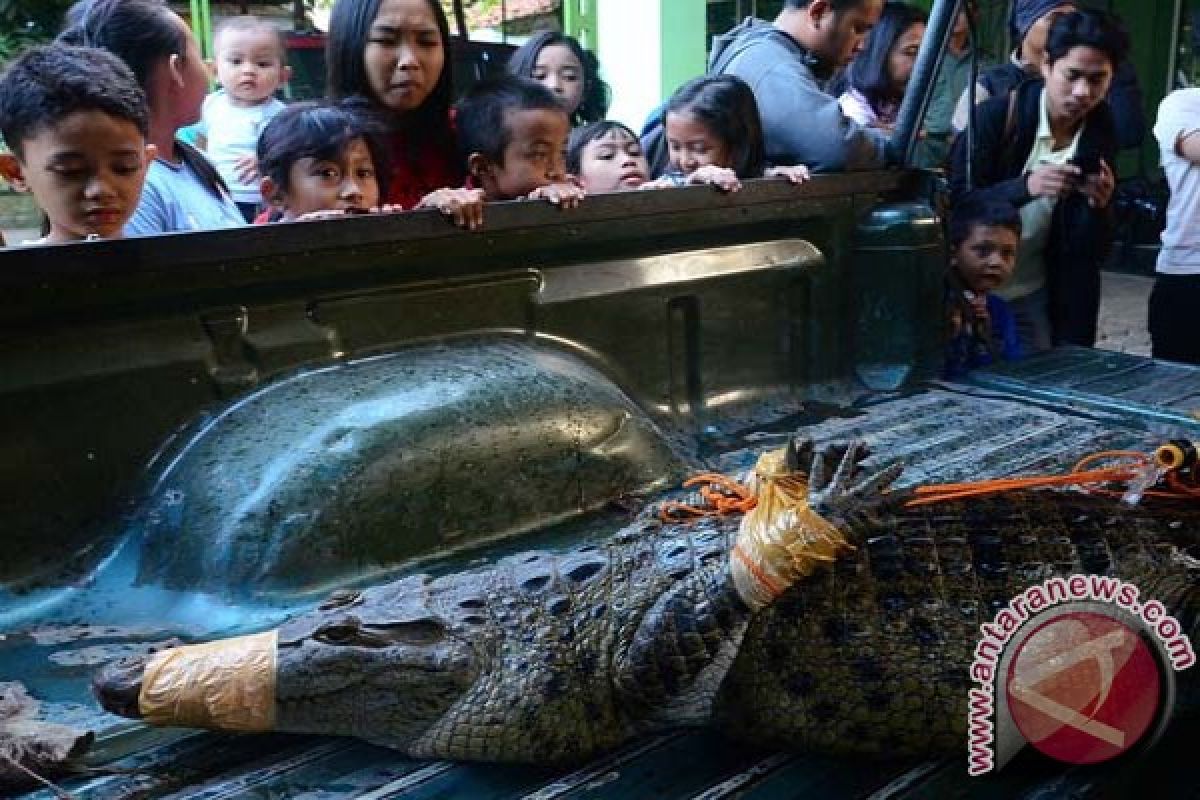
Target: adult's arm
x,y
1178,125
803,125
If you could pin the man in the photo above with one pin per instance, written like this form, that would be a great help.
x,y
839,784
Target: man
x,y
1029,25
1049,148
948,87
1176,292
783,62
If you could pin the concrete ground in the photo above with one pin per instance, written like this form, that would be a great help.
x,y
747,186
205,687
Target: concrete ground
x,y
1123,313
1122,307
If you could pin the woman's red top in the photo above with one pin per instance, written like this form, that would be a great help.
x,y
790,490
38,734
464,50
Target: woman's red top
x,y
414,175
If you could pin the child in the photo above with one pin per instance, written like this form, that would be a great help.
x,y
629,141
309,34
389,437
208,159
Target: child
x,y
606,156
322,160
512,133
560,63
985,231
319,158
250,67
714,136
76,123
182,191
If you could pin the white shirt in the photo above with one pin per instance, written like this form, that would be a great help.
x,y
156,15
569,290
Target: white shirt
x,y
1179,115
1030,272
232,132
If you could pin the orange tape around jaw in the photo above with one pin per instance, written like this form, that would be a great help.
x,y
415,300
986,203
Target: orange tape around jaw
x,y
227,685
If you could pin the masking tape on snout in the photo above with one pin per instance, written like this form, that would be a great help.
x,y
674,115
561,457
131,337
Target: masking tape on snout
x,y
225,685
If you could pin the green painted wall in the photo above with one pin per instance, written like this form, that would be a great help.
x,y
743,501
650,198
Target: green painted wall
x,y
579,20
684,30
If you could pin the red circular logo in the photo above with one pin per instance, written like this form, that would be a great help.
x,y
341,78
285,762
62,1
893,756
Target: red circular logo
x,y
1083,688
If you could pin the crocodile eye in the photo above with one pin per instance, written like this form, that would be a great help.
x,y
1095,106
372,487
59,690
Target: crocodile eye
x,y
342,598
350,632
344,631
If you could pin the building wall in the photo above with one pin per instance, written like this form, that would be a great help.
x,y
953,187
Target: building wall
x,y
647,48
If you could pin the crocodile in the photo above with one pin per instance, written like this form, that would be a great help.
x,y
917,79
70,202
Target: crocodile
x,y
551,658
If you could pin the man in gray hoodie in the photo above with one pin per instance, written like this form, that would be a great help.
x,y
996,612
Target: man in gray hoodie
x,y
783,64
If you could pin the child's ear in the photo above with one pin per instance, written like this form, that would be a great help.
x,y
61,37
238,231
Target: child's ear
x,y
151,153
211,66
816,11
285,74
479,165
10,170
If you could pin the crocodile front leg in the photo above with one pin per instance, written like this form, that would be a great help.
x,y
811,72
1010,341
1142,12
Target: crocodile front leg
x,y
674,663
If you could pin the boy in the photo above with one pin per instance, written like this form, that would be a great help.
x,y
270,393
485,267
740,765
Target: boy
x,y
76,123
1049,147
250,68
985,231
512,133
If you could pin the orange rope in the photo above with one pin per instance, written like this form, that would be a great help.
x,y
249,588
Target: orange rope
x,y
1093,480
721,495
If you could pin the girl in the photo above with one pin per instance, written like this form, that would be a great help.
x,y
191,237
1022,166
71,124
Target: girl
x,y
560,63
183,191
393,57
873,85
714,136
316,159
606,156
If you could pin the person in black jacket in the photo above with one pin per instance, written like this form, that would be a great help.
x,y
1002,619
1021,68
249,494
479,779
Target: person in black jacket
x,y
1048,147
1029,25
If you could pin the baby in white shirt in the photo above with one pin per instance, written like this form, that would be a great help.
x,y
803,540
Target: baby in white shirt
x,y
250,66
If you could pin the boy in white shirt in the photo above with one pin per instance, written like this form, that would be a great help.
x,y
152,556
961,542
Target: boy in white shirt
x,y
250,67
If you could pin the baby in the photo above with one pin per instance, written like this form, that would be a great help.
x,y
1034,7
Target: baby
x,y
250,67
76,122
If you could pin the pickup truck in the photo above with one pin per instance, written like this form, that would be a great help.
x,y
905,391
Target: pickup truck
x,y
190,419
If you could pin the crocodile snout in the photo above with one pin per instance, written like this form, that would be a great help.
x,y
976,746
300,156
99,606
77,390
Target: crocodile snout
x,y
119,685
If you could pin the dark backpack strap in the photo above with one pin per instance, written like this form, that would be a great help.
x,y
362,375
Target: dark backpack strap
x,y
1010,119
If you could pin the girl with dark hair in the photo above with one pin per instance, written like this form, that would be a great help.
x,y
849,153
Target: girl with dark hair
x,y
873,85
183,191
560,63
606,156
392,58
714,136
319,159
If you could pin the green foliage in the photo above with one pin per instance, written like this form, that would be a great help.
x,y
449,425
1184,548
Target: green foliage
x,y
26,22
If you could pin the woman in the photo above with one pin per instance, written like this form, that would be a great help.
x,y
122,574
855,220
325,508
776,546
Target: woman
x,y
393,58
560,63
873,85
183,191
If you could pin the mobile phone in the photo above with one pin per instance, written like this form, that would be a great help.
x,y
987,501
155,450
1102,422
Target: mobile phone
x,y
1088,163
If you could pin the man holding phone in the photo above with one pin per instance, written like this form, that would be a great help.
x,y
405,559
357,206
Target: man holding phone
x,y
1049,147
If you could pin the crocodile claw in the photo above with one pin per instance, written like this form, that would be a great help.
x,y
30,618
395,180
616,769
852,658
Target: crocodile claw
x,y
849,492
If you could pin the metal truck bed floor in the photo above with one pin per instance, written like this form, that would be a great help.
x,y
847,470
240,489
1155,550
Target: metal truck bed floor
x,y
1045,412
